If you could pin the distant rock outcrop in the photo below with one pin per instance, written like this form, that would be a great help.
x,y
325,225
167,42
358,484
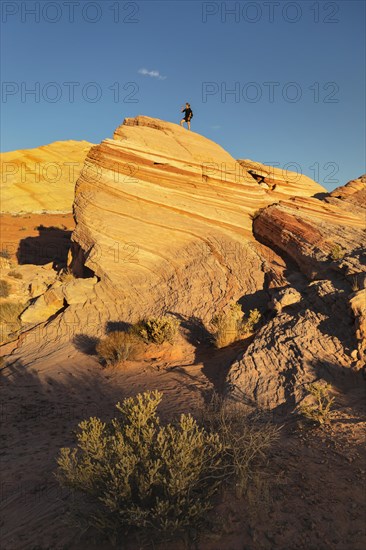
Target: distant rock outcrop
x,y
42,179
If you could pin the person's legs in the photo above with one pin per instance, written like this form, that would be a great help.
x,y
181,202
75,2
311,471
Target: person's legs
x,y
189,124
182,121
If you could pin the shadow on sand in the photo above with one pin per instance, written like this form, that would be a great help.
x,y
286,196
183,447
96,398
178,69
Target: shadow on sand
x,y
51,245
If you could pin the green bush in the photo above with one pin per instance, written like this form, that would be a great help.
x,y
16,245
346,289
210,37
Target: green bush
x,y
231,325
138,474
118,346
15,274
320,409
5,288
157,330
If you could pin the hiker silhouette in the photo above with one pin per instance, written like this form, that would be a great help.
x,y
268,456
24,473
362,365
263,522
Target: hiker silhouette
x,y
188,114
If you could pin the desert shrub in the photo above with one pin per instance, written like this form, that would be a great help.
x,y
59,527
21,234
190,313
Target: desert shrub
x,y
337,253
135,473
227,325
246,441
118,346
320,409
5,254
15,274
157,330
230,325
5,288
248,325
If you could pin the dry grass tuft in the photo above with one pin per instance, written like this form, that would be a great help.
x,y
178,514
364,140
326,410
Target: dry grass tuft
x,y
246,440
5,288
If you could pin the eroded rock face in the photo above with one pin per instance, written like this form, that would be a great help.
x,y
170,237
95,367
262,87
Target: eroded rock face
x,y
358,306
322,242
320,236
42,179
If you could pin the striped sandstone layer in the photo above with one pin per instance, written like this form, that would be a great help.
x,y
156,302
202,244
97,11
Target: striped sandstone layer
x,y
166,224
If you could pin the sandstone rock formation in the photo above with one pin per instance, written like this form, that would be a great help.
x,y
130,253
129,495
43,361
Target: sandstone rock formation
x,y
42,179
167,221
322,244
56,297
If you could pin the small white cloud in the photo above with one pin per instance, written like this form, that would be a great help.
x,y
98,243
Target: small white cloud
x,y
153,74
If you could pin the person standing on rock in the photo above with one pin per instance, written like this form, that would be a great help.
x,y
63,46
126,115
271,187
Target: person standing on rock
x,y
188,114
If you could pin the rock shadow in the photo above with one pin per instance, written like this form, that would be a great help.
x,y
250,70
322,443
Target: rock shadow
x,y
51,245
216,362
117,326
86,344
255,300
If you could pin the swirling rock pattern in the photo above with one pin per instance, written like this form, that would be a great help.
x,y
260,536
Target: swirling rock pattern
x,y
164,220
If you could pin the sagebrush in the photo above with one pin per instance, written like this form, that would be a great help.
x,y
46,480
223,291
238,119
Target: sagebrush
x,y
248,325
136,474
139,474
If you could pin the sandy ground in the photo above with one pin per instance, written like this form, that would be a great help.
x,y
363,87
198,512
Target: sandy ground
x,y
318,495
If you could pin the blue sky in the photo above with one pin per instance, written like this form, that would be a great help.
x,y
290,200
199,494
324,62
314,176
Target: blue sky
x,y
296,71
